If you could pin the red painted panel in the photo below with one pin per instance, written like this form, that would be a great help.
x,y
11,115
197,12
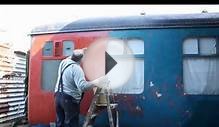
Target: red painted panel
x,y
38,101
41,108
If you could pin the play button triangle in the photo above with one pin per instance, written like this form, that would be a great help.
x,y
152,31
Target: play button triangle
x,y
109,62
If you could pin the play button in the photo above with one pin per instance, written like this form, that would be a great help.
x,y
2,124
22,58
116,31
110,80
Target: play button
x,y
110,62
110,57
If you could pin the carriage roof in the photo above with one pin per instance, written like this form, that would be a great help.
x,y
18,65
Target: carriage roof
x,y
131,22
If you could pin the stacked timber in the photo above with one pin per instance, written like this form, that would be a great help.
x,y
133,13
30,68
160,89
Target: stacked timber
x,y
12,86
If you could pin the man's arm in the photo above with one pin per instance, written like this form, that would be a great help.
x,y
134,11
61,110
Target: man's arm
x,y
80,80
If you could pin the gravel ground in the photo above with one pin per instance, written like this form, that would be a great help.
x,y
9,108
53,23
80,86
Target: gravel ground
x,y
19,123
11,125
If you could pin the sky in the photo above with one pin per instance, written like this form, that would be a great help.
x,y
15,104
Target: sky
x,y
16,21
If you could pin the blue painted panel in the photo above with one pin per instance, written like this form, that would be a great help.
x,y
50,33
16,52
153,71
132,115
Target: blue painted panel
x,y
163,69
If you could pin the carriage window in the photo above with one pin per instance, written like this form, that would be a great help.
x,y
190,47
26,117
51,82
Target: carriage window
x,y
136,45
48,49
135,84
49,74
207,46
190,46
115,47
68,47
201,71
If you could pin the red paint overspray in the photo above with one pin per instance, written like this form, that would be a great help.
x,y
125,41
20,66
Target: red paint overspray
x,y
94,60
93,65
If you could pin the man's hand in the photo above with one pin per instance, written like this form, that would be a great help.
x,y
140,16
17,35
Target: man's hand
x,y
101,82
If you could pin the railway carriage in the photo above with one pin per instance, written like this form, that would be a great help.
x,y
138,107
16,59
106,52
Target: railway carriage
x,y
175,80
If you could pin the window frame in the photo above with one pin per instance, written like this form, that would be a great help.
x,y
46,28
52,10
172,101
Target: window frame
x,y
184,56
125,55
73,42
129,39
125,41
198,41
52,52
44,85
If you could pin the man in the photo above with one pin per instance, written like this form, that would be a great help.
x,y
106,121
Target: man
x,y
70,85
